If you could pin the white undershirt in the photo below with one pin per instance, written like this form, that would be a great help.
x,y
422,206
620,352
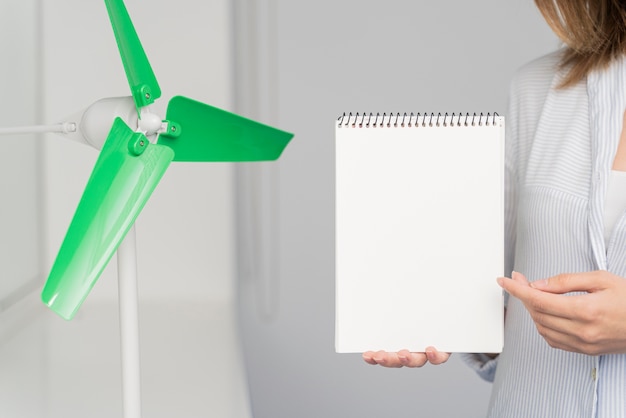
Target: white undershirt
x,y
615,202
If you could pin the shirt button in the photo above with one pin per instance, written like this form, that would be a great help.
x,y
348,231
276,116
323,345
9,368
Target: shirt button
x,y
594,374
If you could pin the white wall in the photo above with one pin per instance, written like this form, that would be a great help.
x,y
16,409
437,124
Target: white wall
x,y
184,232
191,364
20,226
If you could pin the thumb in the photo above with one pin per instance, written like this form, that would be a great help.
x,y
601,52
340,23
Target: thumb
x,y
569,282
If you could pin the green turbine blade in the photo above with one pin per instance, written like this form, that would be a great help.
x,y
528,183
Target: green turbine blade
x,y
206,133
125,175
141,79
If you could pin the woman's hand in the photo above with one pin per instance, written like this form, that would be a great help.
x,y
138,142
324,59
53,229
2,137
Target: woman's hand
x,y
405,358
593,323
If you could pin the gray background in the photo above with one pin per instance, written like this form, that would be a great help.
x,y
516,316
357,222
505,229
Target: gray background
x,y
301,65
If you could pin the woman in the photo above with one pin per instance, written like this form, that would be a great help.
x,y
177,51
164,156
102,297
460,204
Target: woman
x,y
565,333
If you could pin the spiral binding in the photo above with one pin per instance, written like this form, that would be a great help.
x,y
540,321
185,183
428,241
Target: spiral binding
x,y
367,120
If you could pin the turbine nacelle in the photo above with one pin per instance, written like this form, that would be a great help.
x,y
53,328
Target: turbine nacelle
x,y
92,125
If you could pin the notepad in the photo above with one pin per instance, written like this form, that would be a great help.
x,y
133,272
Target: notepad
x,y
419,232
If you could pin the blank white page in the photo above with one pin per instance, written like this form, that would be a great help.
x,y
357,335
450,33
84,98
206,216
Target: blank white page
x,y
419,236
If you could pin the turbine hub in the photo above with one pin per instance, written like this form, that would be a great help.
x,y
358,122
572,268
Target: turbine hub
x,y
149,124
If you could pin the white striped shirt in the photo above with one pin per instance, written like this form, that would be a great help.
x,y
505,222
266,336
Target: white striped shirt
x,y
560,148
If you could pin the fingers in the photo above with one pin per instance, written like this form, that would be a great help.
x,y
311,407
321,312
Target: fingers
x,y
368,356
436,357
517,288
395,360
409,359
405,358
574,282
539,301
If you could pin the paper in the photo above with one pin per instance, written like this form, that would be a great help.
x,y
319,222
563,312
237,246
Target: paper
x,y
419,237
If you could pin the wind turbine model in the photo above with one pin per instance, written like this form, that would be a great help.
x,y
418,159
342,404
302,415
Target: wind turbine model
x,y
137,147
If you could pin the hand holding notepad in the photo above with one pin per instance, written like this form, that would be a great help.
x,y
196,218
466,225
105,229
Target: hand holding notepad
x,y
405,358
419,232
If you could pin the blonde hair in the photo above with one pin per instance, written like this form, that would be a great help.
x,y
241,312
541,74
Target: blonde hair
x,y
593,30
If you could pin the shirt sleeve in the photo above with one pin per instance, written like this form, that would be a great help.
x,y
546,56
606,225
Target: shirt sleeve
x,y
482,364
511,177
